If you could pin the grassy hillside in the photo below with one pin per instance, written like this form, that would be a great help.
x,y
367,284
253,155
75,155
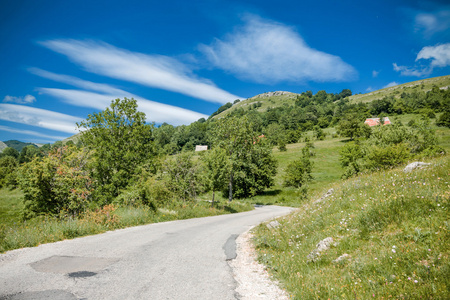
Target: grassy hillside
x,y
423,85
392,226
262,101
277,99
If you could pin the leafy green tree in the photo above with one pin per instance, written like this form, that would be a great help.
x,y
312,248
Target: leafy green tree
x,y
28,153
9,151
350,156
119,141
183,175
252,163
8,167
352,126
56,184
444,119
218,169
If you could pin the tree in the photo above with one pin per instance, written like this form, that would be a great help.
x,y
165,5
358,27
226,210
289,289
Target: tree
x,y
119,140
8,166
183,176
9,151
56,184
351,126
28,153
252,163
218,168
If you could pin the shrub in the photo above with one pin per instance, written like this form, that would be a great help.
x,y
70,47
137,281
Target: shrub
x,y
299,171
56,183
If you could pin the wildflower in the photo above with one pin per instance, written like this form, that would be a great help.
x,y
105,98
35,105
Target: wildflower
x,y
409,278
415,281
393,250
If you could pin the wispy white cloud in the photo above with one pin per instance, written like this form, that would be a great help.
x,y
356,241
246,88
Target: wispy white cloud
x,y
412,71
375,73
391,84
155,111
48,138
264,51
150,70
20,100
439,55
431,23
39,118
435,57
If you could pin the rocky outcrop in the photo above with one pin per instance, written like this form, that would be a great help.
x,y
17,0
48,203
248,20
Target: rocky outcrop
x,y
270,94
326,195
322,246
414,165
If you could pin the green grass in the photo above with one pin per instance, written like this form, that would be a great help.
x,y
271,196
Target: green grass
x,y
16,234
10,206
394,226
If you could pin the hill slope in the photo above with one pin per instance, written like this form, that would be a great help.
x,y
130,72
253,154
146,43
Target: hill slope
x,y
279,98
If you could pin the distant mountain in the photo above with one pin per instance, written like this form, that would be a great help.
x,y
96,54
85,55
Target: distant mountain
x,y
2,146
17,144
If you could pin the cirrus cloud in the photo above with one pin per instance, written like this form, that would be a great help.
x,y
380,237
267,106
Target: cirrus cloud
x,y
150,70
268,52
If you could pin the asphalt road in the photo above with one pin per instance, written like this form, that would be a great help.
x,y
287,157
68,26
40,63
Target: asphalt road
x,y
174,260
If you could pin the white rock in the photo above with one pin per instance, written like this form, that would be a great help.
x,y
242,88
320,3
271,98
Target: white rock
x,y
414,165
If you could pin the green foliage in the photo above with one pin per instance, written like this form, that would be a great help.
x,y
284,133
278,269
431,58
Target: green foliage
x,y
18,145
389,146
56,184
218,169
350,156
183,176
28,153
252,163
444,119
298,172
119,141
352,126
392,225
8,167
9,151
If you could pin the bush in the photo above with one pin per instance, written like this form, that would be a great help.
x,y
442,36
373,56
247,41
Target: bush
x,y
298,173
8,167
56,184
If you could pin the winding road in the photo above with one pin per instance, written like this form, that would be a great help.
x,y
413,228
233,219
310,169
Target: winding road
x,y
174,260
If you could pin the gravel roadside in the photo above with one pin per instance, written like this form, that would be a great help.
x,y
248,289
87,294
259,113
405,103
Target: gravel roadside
x,y
253,281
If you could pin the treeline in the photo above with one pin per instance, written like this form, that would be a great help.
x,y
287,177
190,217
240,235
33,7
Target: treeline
x,y
286,124
118,161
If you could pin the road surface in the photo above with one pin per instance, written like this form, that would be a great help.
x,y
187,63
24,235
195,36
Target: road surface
x,y
174,260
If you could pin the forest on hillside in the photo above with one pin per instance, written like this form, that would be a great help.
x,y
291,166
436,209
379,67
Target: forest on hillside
x,y
122,160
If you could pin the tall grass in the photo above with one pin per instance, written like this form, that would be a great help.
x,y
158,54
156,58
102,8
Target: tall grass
x,y
30,233
394,227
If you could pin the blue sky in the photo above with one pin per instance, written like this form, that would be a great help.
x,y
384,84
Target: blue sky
x,y
62,60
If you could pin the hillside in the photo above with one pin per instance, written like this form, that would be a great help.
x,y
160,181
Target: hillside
x,y
386,236
263,101
2,146
423,85
18,145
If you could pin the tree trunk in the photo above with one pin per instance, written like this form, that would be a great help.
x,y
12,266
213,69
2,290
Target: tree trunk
x,y
212,203
230,190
